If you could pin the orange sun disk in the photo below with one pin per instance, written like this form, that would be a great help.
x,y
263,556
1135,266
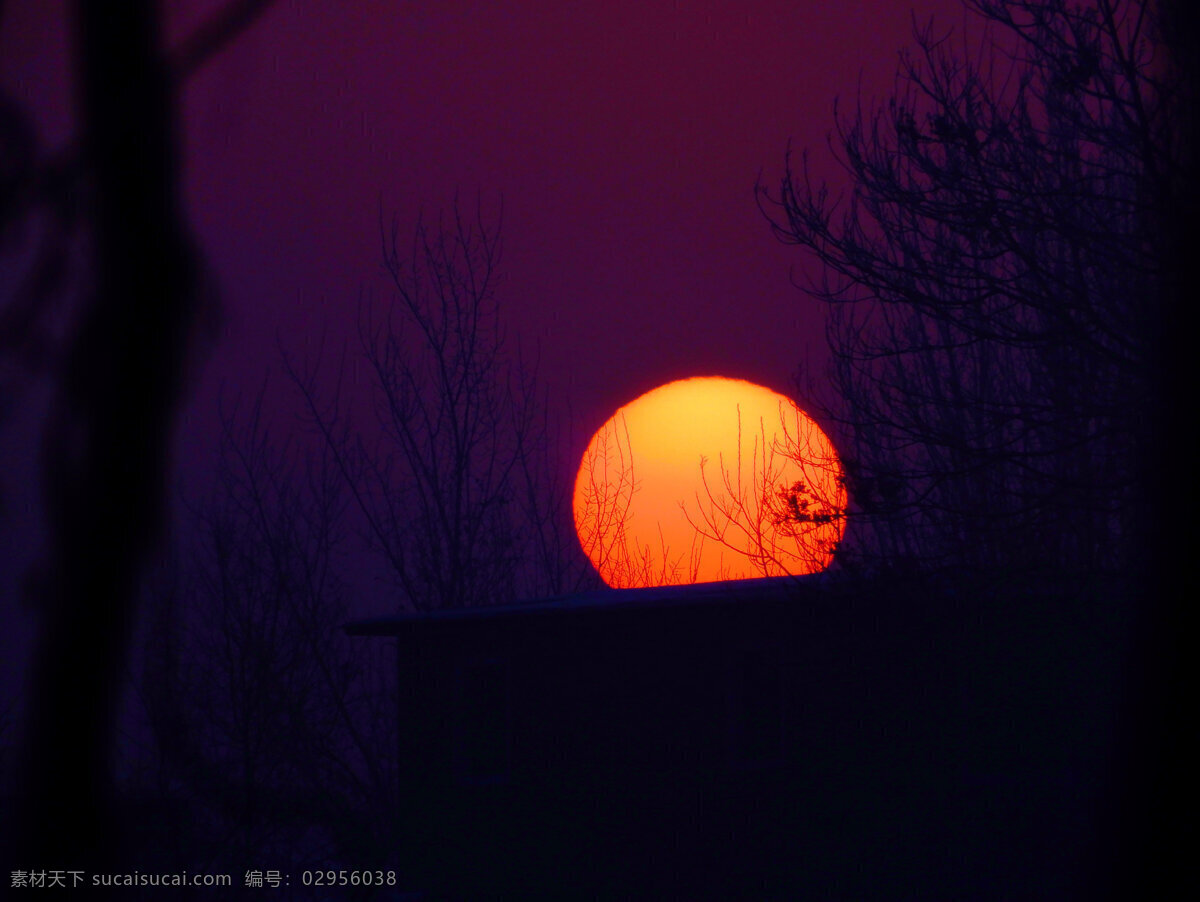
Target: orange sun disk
x,y
707,479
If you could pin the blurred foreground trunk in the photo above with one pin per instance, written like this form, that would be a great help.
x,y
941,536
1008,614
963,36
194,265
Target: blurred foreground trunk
x,y
105,451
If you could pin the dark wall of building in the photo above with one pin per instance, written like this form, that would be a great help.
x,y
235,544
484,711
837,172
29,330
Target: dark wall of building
x,y
859,742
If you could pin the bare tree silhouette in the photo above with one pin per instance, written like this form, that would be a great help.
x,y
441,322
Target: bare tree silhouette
x,y
1006,280
276,734
994,280
273,732
455,476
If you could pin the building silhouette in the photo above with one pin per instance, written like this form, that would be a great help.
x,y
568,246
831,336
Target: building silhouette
x,y
763,738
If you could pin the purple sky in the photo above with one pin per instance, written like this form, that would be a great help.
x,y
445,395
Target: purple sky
x,y
625,139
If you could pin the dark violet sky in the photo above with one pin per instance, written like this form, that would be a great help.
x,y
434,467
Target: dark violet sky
x,y
624,136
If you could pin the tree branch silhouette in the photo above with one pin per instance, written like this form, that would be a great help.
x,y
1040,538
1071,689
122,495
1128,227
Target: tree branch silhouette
x,y
266,718
783,523
992,278
454,475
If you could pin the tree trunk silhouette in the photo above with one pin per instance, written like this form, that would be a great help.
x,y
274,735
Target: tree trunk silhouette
x,y
120,379
106,449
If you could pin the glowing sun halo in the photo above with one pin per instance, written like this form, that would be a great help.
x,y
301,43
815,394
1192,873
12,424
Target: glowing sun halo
x,y
706,479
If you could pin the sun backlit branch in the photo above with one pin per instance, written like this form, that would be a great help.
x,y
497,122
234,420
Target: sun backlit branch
x,y
786,514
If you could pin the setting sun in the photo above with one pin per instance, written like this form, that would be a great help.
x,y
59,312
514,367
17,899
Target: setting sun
x,y
707,479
